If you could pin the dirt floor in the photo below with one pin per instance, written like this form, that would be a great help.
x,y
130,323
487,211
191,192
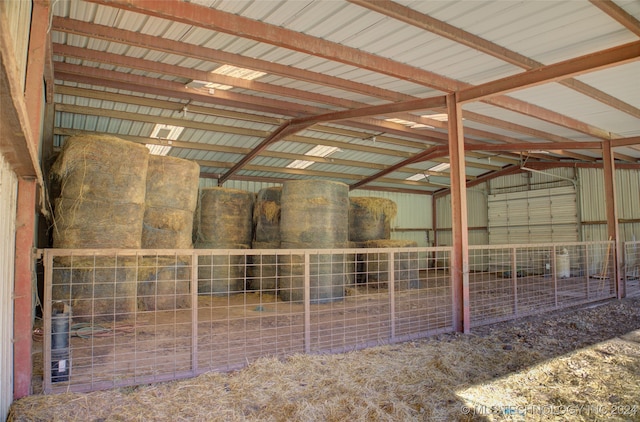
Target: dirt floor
x,y
576,364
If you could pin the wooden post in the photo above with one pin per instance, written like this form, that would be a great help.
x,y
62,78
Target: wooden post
x,y
459,226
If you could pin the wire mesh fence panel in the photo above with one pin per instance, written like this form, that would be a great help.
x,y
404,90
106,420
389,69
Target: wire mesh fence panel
x,y
492,287
422,294
519,280
115,319
632,267
240,317
355,309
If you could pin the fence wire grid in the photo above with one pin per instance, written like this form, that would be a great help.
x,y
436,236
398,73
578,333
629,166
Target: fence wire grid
x,y
116,318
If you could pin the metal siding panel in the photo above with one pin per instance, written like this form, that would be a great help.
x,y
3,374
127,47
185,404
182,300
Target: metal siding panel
x,y
8,200
18,16
628,194
592,198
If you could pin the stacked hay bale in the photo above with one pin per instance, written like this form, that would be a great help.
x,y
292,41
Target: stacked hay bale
x,y
370,218
266,219
223,221
315,214
102,186
370,227
170,202
102,182
376,264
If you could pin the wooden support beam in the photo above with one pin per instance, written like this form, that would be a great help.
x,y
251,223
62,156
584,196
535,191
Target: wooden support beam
x,y
611,57
612,215
460,254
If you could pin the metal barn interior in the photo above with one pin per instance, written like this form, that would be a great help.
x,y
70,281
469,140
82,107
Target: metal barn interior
x,y
508,134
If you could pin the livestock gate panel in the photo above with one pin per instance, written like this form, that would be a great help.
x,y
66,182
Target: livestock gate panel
x,y
632,267
519,280
123,317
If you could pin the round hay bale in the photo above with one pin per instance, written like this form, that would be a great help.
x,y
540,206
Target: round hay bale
x,y
102,168
87,224
329,275
172,183
373,267
221,274
97,289
315,213
224,217
370,218
163,284
263,271
266,215
167,228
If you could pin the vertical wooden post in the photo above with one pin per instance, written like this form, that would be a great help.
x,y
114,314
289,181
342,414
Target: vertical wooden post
x,y
459,226
612,214
24,281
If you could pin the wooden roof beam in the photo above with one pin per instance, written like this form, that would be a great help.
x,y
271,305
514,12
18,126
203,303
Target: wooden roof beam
x,y
445,30
604,59
619,14
216,20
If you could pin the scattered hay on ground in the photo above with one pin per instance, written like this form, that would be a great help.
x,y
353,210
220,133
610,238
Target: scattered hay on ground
x,y
587,356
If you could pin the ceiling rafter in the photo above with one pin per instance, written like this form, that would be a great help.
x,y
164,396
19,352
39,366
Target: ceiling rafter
x,y
204,17
619,14
443,29
121,36
78,27
604,59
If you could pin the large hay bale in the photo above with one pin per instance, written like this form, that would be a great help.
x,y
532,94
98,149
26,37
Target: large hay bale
x,y
172,195
221,274
88,224
224,217
96,288
370,218
266,215
373,267
102,183
102,168
166,228
172,183
263,271
315,213
164,284
329,275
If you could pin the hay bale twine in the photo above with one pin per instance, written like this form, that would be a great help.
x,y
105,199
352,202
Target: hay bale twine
x,y
315,213
164,284
266,215
98,288
370,218
263,270
224,217
170,203
221,274
101,182
374,266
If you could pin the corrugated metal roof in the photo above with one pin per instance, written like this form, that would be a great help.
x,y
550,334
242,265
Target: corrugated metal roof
x,y
341,55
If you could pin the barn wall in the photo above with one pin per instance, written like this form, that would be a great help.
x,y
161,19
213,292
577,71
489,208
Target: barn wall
x,y
477,217
594,207
18,17
8,200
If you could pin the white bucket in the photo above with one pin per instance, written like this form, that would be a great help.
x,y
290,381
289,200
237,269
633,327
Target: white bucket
x,y
562,265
